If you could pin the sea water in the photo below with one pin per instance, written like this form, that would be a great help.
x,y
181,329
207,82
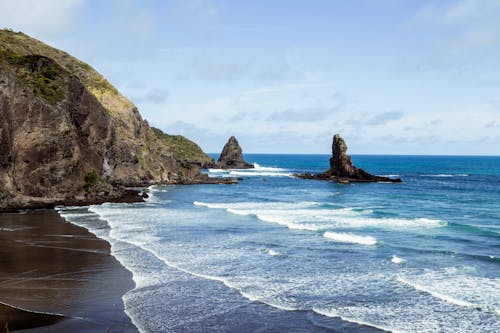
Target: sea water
x,y
274,253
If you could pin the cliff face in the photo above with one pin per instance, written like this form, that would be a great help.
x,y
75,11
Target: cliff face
x,y
231,156
68,134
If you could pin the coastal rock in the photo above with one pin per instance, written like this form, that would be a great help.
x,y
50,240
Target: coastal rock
x,y
67,135
341,168
231,156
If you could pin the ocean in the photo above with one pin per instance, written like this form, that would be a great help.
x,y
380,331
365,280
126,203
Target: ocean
x,y
278,254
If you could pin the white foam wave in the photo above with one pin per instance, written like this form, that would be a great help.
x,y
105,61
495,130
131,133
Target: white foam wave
x,y
343,237
458,288
249,173
216,170
16,228
257,171
390,316
335,314
223,280
309,216
446,175
253,205
261,168
397,260
273,253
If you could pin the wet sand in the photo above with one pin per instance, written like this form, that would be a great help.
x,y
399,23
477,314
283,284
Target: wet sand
x,y
62,274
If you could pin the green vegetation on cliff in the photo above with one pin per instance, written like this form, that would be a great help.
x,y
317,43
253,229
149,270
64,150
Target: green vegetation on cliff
x,y
17,45
67,135
183,148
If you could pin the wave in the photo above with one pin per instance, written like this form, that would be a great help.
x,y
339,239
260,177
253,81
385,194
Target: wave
x,y
261,168
350,238
455,287
445,175
16,228
397,260
249,173
251,205
380,315
273,253
223,280
217,170
257,171
314,216
332,313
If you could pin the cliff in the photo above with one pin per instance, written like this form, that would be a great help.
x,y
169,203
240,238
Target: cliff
x,y
342,170
231,156
67,135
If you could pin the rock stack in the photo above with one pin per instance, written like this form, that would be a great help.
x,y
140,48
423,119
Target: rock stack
x,y
342,170
231,156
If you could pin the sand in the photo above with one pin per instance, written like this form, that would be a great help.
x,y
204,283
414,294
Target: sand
x,y
61,274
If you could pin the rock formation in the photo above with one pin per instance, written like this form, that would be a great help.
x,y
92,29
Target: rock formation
x,y
231,156
67,135
341,168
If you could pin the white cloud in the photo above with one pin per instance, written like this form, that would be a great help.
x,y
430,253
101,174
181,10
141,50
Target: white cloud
x,y
470,25
474,39
461,12
36,16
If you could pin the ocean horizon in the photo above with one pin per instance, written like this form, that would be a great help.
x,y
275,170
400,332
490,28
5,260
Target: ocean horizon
x,y
274,253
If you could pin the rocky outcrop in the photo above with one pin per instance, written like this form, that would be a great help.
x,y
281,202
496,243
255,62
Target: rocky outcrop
x,y
341,168
231,156
67,135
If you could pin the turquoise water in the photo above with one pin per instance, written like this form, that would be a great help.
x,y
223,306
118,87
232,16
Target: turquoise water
x,y
278,254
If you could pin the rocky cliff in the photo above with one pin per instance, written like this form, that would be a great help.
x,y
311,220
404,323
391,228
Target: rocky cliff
x,y
341,168
231,156
67,135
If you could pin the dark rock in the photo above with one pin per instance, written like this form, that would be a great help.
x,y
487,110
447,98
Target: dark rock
x,y
68,136
231,156
342,170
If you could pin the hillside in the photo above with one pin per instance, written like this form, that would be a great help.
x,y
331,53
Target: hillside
x,y
67,134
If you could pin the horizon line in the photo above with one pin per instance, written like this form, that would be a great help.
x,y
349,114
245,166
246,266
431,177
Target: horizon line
x,y
371,154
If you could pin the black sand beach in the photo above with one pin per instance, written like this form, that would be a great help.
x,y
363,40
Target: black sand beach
x,y
57,277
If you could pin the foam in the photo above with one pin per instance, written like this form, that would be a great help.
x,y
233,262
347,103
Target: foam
x,y
447,175
16,228
216,170
408,310
343,237
309,216
250,173
114,215
273,253
335,314
397,260
457,287
257,171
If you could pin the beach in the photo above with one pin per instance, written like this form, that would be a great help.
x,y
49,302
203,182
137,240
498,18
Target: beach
x,y
58,277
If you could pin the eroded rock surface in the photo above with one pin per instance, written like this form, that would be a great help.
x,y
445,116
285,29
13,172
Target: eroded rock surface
x,y
341,168
231,156
67,135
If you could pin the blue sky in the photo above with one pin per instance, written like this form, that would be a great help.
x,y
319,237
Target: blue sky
x,y
392,77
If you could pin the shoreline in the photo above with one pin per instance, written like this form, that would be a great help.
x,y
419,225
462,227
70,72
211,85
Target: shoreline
x,y
57,276
129,194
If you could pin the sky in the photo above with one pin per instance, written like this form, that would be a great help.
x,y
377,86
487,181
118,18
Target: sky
x,y
283,76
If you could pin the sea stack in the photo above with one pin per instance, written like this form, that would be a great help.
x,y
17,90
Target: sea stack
x,y
231,156
342,170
